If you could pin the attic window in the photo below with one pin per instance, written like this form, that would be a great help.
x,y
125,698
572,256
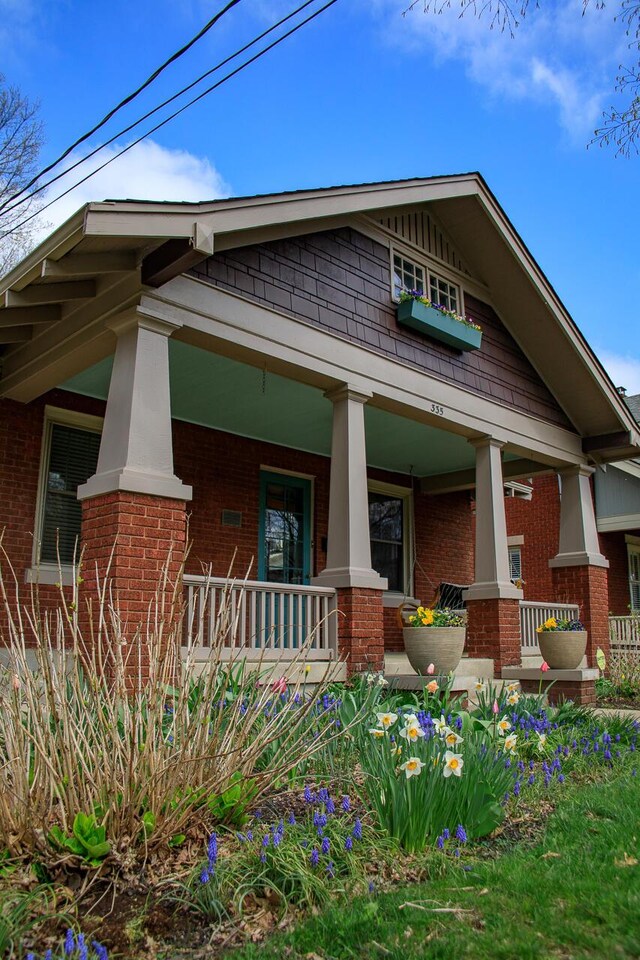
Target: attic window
x,y
408,275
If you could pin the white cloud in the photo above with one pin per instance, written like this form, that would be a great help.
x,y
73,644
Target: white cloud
x,y
146,172
556,56
623,370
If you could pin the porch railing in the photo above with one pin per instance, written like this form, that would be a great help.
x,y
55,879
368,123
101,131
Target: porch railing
x,y
534,614
260,618
624,633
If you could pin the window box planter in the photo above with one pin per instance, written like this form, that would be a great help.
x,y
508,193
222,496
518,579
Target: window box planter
x,y
434,323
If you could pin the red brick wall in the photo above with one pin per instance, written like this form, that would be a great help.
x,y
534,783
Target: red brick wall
x,y
361,629
538,520
587,586
493,631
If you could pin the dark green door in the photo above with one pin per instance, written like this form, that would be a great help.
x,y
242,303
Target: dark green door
x,y
284,555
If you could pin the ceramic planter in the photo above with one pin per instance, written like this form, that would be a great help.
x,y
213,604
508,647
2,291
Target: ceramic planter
x,y
441,646
563,649
418,316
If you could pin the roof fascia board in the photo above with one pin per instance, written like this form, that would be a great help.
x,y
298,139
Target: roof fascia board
x,y
64,239
630,521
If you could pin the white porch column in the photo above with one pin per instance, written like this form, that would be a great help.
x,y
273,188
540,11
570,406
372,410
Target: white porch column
x,y
492,580
136,452
578,542
348,543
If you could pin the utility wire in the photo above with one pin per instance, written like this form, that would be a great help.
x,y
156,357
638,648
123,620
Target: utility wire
x,y
22,199
176,113
85,136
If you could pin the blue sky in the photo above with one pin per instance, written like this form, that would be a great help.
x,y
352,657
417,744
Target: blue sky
x,y
363,93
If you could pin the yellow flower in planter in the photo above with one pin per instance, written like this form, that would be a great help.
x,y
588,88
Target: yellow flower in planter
x,y
453,764
386,719
503,726
452,739
412,767
432,686
511,743
550,624
378,734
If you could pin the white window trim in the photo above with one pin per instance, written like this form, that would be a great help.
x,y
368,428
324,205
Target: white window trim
x,y
429,265
265,468
515,548
51,573
393,598
633,549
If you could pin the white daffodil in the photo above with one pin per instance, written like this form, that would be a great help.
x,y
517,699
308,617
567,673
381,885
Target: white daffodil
x,y
453,764
381,681
542,741
503,726
412,767
440,725
512,688
386,719
452,739
412,732
510,742
370,678
409,719
396,750
479,685
513,698
378,734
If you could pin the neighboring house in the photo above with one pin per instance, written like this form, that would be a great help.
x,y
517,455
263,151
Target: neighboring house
x,y
533,529
241,364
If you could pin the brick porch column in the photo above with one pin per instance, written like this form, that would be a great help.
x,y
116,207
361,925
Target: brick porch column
x,y
360,616
579,570
133,508
493,629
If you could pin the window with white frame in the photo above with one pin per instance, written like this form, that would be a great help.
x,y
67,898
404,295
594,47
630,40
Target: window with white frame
x,y
389,527
633,552
515,563
443,293
410,275
70,447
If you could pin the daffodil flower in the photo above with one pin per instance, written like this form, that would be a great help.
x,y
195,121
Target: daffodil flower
x,y
386,719
512,699
512,687
511,742
412,767
542,741
432,686
412,732
453,764
503,726
479,684
452,739
378,734
440,725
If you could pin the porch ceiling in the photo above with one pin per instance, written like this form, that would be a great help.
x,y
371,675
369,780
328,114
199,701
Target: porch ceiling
x,y
224,394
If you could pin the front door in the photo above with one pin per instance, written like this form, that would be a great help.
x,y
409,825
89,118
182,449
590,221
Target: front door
x,y
284,557
285,529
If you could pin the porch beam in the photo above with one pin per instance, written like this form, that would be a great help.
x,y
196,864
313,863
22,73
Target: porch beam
x,y
607,442
89,264
51,293
466,479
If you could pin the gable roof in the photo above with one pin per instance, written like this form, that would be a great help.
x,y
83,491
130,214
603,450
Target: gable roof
x,y
124,244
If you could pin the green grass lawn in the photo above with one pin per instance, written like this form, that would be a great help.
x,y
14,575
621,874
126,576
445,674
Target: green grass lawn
x,y
574,893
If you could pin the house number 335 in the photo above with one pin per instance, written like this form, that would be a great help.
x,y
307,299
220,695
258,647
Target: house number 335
x,y
437,409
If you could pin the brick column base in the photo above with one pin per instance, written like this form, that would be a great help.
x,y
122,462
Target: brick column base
x,y
588,587
134,537
361,628
493,632
580,691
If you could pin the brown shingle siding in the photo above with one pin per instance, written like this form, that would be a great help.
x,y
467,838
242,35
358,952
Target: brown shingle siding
x,y
340,281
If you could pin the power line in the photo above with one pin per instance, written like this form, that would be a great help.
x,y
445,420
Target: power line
x,y
128,99
22,198
176,113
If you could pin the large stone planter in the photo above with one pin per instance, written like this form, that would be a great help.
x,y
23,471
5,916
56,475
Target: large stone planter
x,y
441,646
563,649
